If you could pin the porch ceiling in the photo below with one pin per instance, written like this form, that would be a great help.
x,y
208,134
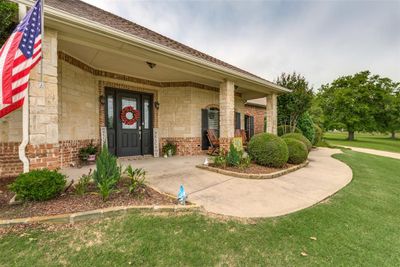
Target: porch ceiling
x,y
114,55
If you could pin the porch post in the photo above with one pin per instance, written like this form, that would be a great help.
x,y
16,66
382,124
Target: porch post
x,y
272,114
227,111
43,149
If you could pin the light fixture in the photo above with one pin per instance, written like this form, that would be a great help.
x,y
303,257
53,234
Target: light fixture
x,y
157,105
102,99
151,65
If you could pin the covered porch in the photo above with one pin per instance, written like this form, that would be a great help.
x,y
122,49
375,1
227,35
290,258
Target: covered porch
x,y
91,78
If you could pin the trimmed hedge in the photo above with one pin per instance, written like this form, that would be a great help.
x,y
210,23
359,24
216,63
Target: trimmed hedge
x,y
306,125
38,185
318,134
298,152
299,137
268,150
284,129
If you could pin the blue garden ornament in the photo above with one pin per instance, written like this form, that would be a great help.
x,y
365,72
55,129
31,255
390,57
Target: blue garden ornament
x,y
182,195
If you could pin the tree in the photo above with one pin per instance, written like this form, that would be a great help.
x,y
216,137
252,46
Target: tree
x,y
8,19
292,105
353,102
388,116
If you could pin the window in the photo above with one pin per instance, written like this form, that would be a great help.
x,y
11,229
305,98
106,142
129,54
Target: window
x,y
146,113
126,102
213,120
110,111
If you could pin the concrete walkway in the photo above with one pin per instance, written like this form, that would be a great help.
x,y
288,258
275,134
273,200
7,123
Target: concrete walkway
x,y
243,197
375,152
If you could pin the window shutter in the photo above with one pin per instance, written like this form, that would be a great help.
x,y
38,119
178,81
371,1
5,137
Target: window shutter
x,y
251,126
204,127
237,120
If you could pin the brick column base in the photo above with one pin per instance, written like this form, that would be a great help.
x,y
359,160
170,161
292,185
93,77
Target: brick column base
x,y
43,156
224,143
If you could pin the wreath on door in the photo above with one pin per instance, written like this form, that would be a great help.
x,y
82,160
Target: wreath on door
x,y
134,117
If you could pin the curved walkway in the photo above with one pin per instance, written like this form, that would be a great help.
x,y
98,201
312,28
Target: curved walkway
x,y
375,152
240,197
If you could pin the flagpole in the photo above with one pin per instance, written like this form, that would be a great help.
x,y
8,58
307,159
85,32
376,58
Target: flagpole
x,y
25,113
42,33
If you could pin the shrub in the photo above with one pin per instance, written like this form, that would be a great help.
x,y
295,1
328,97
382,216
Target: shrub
x,y
298,152
38,185
234,156
268,150
107,173
306,125
299,137
82,186
284,129
220,160
169,147
318,134
137,179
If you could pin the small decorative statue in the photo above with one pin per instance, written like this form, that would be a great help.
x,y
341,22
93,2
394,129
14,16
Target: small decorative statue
x,y
182,196
205,162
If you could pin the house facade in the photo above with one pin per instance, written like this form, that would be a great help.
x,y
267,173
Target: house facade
x,y
101,70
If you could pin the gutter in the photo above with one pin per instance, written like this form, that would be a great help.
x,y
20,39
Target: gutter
x,y
148,45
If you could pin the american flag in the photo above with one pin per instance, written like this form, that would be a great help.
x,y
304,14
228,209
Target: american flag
x,y
20,53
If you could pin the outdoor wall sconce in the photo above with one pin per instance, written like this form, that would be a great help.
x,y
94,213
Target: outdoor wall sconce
x,y
151,65
157,105
102,99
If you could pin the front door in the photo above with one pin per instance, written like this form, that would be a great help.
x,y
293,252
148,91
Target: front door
x,y
129,124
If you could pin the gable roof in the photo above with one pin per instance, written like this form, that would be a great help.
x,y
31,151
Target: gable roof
x,y
87,11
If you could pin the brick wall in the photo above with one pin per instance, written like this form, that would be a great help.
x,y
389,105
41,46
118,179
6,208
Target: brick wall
x,y
10,165
185,146
258,113
69,150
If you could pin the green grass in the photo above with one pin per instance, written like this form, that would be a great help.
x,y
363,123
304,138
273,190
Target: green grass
x,y
364,140
359,226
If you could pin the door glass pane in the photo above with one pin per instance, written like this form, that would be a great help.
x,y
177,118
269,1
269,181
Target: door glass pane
x,y
110,111
126,102
146,114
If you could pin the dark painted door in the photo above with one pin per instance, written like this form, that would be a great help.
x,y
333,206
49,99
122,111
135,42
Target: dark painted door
x,y
129,139
128,136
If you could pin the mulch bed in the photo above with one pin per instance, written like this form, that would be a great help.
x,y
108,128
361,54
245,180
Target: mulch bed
x,y
254,168
69,202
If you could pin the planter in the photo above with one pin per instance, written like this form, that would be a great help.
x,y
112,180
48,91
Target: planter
x,y
170,153
91,158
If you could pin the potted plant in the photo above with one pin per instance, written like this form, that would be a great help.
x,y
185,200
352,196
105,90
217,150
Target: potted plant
x,y
88,153
169,149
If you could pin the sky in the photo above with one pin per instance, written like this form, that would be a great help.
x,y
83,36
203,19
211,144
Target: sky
x,y
319,39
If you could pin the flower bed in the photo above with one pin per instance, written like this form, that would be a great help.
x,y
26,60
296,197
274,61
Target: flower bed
x,y
70,202
254,171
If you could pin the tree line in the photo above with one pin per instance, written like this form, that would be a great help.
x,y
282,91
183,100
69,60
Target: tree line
x,y
359,102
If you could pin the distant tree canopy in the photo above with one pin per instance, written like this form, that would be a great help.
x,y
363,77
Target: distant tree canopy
x,y
8,19
360,102
291,106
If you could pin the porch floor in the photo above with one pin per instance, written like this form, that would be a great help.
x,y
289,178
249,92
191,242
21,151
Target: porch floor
x,y
239,197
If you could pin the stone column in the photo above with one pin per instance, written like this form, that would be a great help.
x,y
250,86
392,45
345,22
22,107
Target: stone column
x,y
272,114
226,113
43,148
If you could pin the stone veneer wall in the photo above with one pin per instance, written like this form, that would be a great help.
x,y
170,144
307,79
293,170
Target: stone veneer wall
x,y
258,113
66,114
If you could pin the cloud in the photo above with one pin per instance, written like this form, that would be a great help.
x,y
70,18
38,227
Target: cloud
x,y
320,39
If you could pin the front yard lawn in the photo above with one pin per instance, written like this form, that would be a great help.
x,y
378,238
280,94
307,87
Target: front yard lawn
x,y
359,226
365,140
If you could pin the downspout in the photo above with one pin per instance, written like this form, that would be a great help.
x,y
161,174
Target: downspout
x,y
25,113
